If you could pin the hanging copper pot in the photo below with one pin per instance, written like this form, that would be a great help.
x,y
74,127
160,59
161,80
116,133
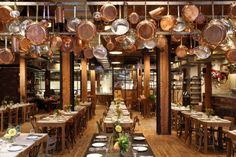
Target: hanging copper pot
x,y
134,17
88,52
233,10
36,33
190,12
108,12
5,16
201,18
161,41
67,44
231,55
110,45
156,12
77,47
6,55
25,45
59,14
181,51
86,30
56,42
167,22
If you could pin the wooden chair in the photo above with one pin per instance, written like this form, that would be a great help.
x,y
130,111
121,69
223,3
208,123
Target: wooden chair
x,y
100,125
33,121
135,121
6,118
34,151
51,144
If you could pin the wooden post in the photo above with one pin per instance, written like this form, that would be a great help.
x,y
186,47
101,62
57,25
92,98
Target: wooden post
x,y
66,78
93,92
47,83
163,91
146,75
139,76
84,79
98,82
208,86
23,80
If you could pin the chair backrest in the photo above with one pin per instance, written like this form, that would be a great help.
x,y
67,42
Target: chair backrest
x,y
99,125
51,144
33,122
135,121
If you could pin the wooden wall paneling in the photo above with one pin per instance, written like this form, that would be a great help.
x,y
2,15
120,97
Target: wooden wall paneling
x,y
23,85
84,79
163,91
66,78
93,90
146,75
208,86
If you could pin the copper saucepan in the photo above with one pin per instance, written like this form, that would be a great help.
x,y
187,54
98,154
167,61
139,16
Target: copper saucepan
x,y
72,24
134,17
36,33
110,45
190,12
231,55
6,56
25,46
86,30
201,18
15,45
108,12
77,47
88,52
156,12
167,22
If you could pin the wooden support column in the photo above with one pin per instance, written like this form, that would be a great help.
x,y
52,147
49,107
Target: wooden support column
x,y
93,92
139,76
208,86
146,75
66,78
47,83
84,79
23,80
98,83
163,91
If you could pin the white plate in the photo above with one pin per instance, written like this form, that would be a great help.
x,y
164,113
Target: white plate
x,y
15,148
139,138
140,149
101,136
94,155
98,144
32,137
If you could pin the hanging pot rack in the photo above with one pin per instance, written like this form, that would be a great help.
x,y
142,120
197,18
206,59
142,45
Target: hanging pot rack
x,y
95,3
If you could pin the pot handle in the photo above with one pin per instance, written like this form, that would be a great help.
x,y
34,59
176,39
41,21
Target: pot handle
x,y
213,10
37,11
5,42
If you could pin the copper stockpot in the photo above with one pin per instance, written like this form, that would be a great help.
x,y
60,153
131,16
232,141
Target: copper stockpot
x,y
181,51
231,55
134,17
67,44
108,12
88,52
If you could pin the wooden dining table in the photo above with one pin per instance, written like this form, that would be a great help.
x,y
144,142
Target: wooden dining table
x,y
23,141
231,135
135,140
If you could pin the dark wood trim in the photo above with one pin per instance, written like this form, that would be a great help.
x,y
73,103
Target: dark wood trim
x,y
158,107
61,81
72,95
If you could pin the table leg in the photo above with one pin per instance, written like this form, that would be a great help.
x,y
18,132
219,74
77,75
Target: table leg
x,y
24,114
229,148
205,138
63,133
186,128
220,142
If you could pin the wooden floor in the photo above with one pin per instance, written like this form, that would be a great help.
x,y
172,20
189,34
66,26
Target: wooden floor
x,y
162,145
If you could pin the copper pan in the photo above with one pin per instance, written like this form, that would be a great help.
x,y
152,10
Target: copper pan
x,y
131,48
231,55
25,45
36,33
146,29
181,51
108,12
167,22
77,47
133,17
5,16
190,12
233,10
86,30
156,12
201,18
59,14
88,52
110,45
6,56
56,42
15,44
161,41
67,44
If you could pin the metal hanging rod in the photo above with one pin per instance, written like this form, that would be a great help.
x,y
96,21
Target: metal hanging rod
x,y
155,3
